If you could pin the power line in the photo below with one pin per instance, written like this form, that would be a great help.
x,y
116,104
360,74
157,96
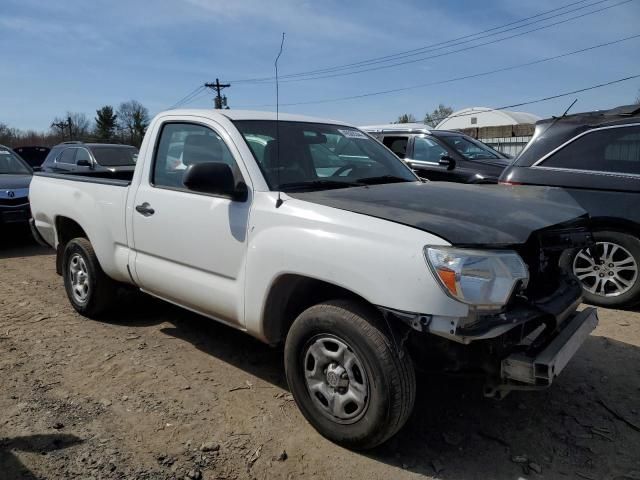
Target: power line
x,y
204,93
552,97
455,79
314,74
187,97
430,47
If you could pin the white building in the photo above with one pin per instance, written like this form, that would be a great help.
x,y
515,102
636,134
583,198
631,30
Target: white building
x,y
504,130
479,117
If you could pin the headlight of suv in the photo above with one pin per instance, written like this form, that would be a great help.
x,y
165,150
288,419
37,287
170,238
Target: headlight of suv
x,y
483,278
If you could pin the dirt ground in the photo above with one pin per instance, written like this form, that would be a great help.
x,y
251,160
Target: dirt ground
x,y
154,392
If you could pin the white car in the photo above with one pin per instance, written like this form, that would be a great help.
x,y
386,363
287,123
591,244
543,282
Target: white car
x,y
309,232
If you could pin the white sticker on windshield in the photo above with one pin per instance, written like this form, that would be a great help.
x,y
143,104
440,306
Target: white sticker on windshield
x,y
352,133
4,152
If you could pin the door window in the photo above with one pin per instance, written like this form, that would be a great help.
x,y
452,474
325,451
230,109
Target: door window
x,y
397,145
427,150
184,144
82,154
608,150
67,156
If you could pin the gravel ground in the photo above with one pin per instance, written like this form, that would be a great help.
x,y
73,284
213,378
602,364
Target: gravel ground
x,y
154,392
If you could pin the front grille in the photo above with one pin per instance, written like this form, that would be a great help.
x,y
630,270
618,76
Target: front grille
x,y
14,201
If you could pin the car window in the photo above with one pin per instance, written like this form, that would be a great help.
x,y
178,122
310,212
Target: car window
x,y
82,154
308,152
184,144
67,156
115,156
607,150
397,145
471,149
11,164
427,150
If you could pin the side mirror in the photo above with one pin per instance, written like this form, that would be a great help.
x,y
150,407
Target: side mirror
x,y
214,178
83,163
447,161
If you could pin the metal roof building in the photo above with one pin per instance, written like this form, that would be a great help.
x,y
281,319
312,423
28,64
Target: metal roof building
x,y
479,117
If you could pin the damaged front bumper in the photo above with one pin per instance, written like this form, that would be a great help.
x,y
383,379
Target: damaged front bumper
x,y
536,369
522,348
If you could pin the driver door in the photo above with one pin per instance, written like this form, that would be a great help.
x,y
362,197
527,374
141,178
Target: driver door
x,y
190,247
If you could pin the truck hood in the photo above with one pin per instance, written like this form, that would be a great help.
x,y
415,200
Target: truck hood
x,y
459,213
14,182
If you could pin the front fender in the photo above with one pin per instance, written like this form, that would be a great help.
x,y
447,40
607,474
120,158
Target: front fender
x,y
378,260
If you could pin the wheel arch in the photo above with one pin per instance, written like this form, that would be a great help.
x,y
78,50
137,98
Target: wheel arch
x,y
66,230
291,294
615,224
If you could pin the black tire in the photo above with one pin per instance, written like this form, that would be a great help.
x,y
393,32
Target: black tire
x,y
387,368
628,298
100,289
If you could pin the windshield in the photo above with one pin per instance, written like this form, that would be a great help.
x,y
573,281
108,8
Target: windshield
x,y
115,156
11,164
319,156
472,149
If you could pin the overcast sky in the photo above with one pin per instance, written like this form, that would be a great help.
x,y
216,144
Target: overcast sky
x,y
78,55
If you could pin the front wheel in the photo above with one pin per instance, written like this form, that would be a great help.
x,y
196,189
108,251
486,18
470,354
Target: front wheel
x,y
351,381
610,274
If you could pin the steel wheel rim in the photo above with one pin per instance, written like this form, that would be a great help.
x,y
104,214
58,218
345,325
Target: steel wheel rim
x,y
79,276
336,379
614,275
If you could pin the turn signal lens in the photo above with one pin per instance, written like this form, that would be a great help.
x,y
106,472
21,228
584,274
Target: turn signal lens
x,y
448,278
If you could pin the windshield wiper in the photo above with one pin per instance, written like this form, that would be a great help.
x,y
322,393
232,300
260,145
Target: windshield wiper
x,y
319,184
383,179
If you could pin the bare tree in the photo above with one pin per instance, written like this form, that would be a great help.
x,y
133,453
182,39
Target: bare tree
x,y
133,120
73,126
434,118
406,118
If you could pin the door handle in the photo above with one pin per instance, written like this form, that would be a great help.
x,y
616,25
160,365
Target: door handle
x,y
145,209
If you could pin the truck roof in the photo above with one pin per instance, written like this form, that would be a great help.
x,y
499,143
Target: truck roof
x,y
250,115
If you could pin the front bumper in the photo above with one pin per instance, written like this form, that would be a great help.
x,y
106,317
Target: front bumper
x,y
537,368
14,214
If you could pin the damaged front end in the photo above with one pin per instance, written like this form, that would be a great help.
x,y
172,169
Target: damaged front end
x,y
524,343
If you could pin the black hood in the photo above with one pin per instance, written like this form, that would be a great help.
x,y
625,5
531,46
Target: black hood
x,y
14,182
462,214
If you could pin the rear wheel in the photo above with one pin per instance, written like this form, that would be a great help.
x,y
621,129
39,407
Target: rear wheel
x,y
349,379
610,275
89,289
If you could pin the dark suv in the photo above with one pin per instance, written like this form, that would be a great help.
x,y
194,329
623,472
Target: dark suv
x,y
98,157
595,156
441,154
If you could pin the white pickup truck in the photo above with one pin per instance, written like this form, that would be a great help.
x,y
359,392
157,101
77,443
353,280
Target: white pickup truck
x,y
311,233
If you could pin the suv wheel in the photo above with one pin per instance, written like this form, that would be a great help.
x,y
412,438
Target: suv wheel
x,y
613,280
349,379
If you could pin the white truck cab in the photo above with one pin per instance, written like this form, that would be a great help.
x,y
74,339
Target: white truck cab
x,y
309,232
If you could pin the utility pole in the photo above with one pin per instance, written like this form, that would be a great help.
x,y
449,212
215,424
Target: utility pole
x,y
62,125
220,101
